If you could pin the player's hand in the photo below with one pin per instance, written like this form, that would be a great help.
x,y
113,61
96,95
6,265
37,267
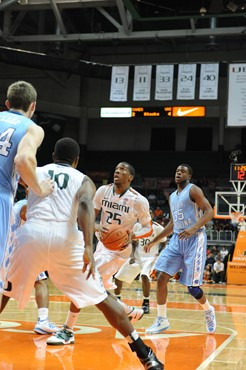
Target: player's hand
x,y
187,233
102,231
89,262
148,247
47,187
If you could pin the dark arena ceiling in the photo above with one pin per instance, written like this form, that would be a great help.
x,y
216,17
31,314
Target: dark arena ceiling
x,y
108,31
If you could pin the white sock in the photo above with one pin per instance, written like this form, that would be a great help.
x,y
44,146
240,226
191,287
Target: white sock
x,y
125,307
71,319
43,313
146,298
132,337
162,310
206,306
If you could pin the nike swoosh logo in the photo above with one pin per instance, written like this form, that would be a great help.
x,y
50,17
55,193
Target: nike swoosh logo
x,y
181,112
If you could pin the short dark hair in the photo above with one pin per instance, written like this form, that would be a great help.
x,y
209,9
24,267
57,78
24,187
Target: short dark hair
x,y
190,170
130,168
66,150
20,95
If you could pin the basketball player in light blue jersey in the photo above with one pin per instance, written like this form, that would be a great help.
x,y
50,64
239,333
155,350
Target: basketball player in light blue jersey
x,y
19,139
186,251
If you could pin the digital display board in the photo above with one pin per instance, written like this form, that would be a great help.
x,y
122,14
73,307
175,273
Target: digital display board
x,y
179,111
238,172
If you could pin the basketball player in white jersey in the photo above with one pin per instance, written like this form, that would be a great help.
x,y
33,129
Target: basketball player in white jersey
x,y
119,204
141,262
50,240
43,325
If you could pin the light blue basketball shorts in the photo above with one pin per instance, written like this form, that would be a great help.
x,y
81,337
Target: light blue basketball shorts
x,y
187,255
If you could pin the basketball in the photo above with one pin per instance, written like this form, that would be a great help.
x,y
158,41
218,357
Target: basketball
x,y
115,238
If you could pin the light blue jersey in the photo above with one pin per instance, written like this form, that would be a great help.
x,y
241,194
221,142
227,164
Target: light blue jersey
x,y
187,255
13,126
185,213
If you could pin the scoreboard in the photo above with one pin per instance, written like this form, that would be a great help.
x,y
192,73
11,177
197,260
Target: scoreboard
x,y
174,111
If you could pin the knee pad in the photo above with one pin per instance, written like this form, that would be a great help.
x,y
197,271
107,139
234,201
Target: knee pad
x,y
195,291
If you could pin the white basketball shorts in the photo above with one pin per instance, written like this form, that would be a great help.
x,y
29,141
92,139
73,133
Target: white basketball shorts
x,y
57,248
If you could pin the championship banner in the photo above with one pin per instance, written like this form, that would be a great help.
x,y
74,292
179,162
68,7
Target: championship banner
x,y
186,82
142,83
209,78
119,83
164,82
236,114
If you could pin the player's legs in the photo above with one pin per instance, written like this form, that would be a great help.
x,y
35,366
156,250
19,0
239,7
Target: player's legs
x,y
146,293
147,265
116,317
168,263
192,275
119,285
43,326
108,264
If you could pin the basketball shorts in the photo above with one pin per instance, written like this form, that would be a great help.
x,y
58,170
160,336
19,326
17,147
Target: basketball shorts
x,y
188,255
109,262
56,248
143,266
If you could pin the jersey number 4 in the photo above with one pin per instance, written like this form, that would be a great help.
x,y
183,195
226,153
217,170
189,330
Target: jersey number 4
x,y
5,143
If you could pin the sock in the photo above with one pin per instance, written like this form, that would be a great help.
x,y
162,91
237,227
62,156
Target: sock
x,y
71,319
127,309
145,300
206,306
137,345
43,313
162,310
118,296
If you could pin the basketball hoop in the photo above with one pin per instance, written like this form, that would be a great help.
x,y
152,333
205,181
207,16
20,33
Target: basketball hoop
x,y
236,217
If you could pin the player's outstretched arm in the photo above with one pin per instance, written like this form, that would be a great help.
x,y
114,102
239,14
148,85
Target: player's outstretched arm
x,y
26,163
86,219
164,233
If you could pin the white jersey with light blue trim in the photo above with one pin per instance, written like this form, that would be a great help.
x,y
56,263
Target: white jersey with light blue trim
x,y
185,212
62,204
13,126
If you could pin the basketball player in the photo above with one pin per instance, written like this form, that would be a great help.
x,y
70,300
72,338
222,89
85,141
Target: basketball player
x,y
190,211
119,203
141,262
50,240
19,140
43,325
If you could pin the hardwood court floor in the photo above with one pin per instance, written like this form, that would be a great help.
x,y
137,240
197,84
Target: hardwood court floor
x,y
184,346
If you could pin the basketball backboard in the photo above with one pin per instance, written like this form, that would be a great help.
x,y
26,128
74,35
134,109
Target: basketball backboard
x,y
229,202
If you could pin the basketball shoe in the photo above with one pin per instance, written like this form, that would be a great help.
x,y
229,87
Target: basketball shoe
x,y
160,324
210,320
45,327
135,314
151,362
63,336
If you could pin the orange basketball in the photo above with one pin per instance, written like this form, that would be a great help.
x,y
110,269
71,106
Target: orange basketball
x,y
115,238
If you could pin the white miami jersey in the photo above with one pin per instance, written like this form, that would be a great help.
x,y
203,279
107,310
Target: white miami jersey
x,y
124,209
157,229
62,204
